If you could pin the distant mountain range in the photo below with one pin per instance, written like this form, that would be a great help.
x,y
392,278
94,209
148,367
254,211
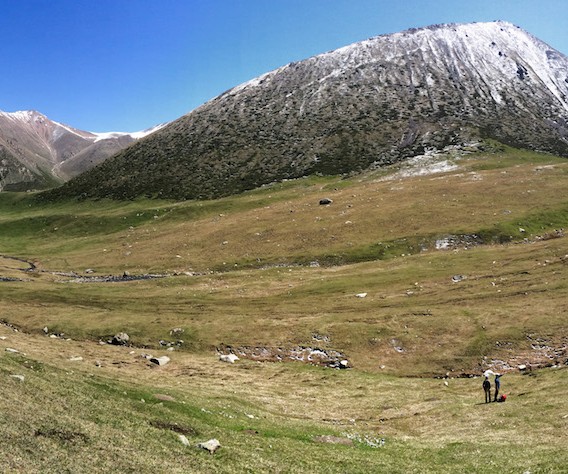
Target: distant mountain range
x,y
365,105
36,152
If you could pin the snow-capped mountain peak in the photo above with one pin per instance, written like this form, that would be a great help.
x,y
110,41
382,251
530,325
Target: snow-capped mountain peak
x,y
35,147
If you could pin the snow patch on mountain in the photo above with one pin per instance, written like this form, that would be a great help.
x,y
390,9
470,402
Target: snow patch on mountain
x,y
135,135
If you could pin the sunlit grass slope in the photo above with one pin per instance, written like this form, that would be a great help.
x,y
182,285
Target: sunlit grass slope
x,y
461,269
113,412
273,267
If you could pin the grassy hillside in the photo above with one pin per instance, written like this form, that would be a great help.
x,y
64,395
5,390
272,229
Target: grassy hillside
x,y
463,269
111,411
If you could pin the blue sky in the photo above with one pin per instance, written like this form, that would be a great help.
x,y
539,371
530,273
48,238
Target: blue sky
x,y
126,65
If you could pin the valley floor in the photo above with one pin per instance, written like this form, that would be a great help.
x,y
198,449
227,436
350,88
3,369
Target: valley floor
x,y
417,283
85,407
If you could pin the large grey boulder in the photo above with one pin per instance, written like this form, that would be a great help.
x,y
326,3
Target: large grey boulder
x,y
120,339
160,360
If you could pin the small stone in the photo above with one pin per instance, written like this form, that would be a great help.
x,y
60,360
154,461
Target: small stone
x,y
21,378
3,338
361,295
75,358
325,202
45,330
212,445
183,440
13,351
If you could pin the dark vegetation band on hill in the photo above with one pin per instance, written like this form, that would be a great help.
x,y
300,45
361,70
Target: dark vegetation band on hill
x,y
370,104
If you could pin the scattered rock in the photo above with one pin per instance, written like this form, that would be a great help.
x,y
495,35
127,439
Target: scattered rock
x,y
212,445
176,331
75,358
21,378
333,440
458,278
45,330
310,355
3,338
325,202
160,360
361,295
321,337
120,339
230,358
13,351
183,440
89,270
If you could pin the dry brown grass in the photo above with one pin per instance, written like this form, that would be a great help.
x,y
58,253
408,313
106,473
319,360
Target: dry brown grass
x,y
414,321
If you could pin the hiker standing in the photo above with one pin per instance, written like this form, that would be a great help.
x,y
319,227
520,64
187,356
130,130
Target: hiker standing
x,y
497,385
487,389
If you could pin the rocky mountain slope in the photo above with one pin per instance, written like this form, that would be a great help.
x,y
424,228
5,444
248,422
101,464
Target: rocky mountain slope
x,y
36,152
368,104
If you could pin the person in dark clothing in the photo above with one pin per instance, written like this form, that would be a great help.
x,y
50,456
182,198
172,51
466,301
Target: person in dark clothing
x,y
487,389
497,386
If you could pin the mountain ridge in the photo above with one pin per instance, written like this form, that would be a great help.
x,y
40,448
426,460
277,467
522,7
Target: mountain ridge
x,y
368,104
37,152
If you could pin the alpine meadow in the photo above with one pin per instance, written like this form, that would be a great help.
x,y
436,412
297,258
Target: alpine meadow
x,y
311,272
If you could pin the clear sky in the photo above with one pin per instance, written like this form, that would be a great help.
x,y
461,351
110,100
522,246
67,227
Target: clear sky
x,y
126,65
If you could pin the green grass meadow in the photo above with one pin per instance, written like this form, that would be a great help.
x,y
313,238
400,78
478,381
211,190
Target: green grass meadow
x,y
272,268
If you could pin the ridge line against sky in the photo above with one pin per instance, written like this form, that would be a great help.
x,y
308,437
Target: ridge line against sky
x,y
127,65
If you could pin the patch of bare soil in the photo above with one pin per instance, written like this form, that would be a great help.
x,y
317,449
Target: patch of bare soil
x,y
63,435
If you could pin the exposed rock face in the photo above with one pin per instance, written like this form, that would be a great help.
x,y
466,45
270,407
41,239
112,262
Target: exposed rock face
x,y
368,104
